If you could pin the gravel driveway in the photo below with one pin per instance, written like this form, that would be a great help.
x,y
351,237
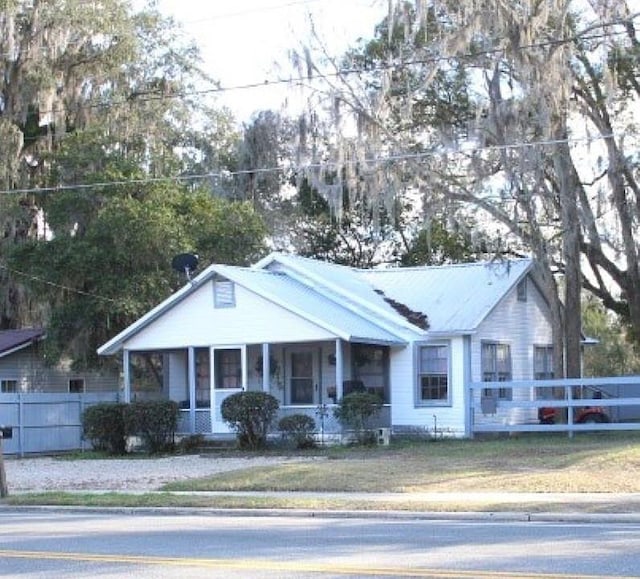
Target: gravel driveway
x,y
41,474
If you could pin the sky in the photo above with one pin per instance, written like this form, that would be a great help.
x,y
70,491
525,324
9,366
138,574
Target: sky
x,y
242,40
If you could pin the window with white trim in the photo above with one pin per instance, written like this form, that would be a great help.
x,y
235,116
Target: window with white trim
x,y
543,370
8,386
543,362
433,374
496,367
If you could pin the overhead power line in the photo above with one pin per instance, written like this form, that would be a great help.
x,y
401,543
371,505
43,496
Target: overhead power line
x,y
309,166
378,67
56,285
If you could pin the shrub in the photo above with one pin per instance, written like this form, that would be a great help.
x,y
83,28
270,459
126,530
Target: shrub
x,y
298,428
103,425
155,422
250,414
354,412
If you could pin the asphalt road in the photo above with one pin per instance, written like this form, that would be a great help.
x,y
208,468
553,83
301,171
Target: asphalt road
x,y
58,544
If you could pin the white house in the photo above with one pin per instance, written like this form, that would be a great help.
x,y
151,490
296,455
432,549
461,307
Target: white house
x,y
309,332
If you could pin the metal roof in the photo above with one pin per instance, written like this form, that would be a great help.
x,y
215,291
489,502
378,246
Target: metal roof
x,y
334,315
455,298
378,305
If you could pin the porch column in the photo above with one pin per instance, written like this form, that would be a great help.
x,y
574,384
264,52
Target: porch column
x,y
339,370
126,376
266,370
191,382
245,369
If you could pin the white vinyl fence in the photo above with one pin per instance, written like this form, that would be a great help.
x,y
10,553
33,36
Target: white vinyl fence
x,y
618,398
43,422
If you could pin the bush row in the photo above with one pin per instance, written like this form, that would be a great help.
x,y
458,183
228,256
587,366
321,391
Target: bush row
x,y
109,424
250,414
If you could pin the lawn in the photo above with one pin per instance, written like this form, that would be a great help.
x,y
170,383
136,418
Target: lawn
x,y
587,463
594,463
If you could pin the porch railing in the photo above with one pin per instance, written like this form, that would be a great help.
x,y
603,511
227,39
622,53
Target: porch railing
x,y
324,418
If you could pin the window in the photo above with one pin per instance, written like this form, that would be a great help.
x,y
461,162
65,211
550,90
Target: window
x,y
522,290
224,294
76,385
369,366
8,386
496,367
434,374
228,368
543,370
543,362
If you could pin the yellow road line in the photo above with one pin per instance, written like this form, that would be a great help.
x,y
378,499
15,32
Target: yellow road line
x,y
293,566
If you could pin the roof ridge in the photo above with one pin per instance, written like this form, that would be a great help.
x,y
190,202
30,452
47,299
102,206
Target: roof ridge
x,y
397,268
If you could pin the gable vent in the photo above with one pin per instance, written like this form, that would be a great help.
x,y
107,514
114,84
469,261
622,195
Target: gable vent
x,y
224,294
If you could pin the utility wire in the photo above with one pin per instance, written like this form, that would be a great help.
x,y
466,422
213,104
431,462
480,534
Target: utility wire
x,y
150,97
306,167
56,285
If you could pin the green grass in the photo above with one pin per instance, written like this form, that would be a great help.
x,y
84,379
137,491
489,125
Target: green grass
x,y
167,500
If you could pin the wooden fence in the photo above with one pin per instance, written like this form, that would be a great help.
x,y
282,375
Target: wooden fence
x,y
43,422
617,398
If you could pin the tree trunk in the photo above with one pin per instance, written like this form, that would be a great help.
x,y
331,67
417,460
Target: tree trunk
x,y
568,195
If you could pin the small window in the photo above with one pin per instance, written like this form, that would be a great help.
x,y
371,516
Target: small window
x,y
76,385
224,294
496,367
434,374
522,290
8,386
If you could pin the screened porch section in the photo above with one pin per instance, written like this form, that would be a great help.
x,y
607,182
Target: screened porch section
x,y
305,378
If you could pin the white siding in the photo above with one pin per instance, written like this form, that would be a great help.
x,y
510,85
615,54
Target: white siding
x,y
195,321
522,325
406,414
28,368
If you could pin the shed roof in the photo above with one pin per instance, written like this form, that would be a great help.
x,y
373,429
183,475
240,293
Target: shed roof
x,y
14,340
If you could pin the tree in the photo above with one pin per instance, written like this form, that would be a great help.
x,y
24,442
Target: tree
x,y
362,236
88,97
101,280
612,354
477,105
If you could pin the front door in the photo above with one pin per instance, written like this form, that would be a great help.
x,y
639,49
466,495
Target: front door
x,y
303,377
228,378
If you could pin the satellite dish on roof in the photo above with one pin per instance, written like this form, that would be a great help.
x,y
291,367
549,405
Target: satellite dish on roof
x,y
185,263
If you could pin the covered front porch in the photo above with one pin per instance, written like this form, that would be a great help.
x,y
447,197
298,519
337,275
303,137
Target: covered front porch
x,y
306,378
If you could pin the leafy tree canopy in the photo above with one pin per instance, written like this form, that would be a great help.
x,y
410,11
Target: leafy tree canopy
x,y
101,280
